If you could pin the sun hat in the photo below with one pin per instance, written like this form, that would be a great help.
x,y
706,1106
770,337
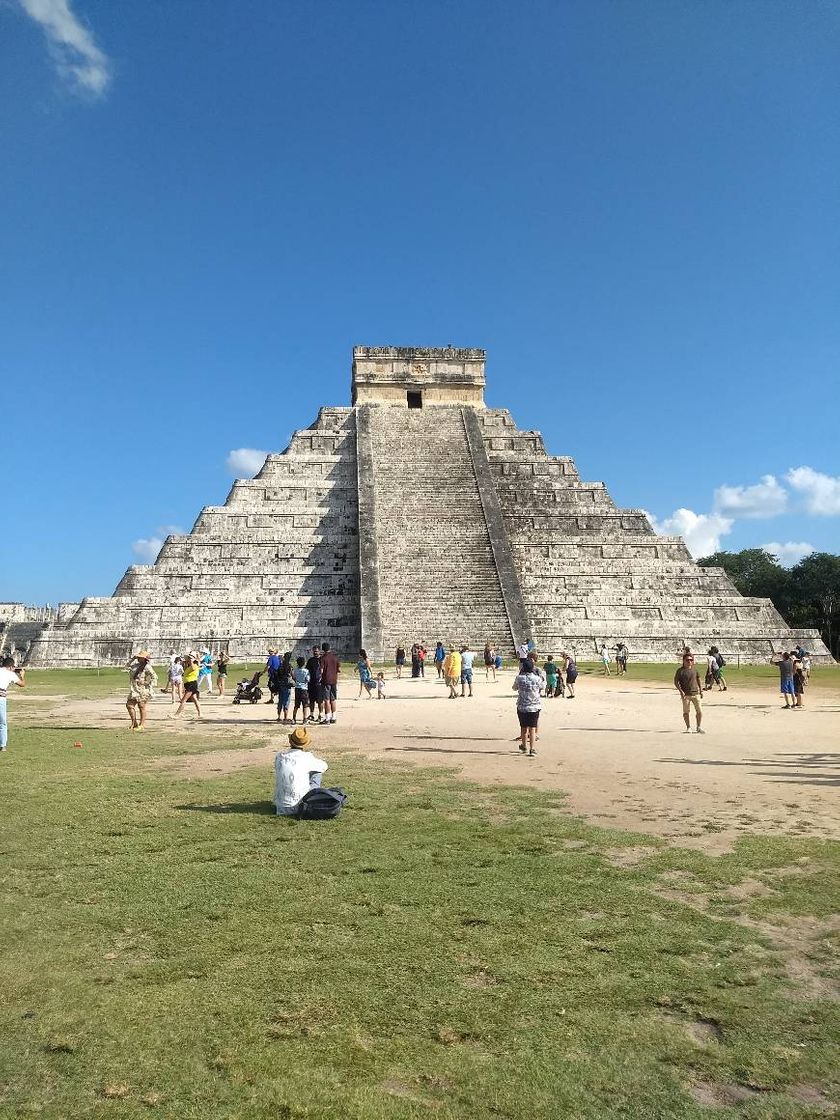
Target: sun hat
x,y
144,654
299,738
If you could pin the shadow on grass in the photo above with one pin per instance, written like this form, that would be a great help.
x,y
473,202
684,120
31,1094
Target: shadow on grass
x,y
791,768
257,808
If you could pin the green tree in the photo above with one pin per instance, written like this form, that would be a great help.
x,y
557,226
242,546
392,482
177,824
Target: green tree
x,y
816,579
754,572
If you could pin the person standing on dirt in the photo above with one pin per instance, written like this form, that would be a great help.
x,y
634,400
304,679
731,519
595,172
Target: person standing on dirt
x,y
687,681
141,683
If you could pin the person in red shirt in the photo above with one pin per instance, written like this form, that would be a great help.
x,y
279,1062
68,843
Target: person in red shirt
x,y
330,669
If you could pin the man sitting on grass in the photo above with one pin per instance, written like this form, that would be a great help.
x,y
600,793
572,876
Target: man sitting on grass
x,y
296,772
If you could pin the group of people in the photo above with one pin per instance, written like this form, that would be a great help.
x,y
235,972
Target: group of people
x,y
621,655
312,682
794,670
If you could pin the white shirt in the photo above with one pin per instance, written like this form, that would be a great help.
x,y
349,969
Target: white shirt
x,y
7,677
291,778
528,685
467,659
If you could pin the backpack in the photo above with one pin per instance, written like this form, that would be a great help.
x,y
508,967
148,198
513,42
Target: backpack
x,y
720,660
321,804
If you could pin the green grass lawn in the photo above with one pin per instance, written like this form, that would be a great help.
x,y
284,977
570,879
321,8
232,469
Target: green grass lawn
x,y
172,947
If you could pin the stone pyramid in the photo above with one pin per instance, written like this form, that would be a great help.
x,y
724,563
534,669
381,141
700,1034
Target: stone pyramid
x,y
419,514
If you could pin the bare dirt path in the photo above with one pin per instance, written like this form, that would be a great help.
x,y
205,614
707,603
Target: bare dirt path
x,y
618,750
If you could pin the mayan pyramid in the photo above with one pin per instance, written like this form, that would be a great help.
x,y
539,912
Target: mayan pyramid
x,y
418,514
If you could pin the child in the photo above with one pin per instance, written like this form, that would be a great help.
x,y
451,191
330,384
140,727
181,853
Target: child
x,y
301,676
380,686
799,679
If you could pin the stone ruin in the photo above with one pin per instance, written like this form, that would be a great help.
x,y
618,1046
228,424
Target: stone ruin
x,y
418,514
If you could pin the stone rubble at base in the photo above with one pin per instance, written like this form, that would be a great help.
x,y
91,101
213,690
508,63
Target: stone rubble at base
x,y
418,513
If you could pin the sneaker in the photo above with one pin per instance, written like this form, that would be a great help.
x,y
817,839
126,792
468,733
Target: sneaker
x,y
700,731
531,752
687,731
522,748
332,719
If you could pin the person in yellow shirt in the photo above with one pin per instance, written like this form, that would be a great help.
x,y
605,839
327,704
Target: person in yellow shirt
x,y
191,667
452,671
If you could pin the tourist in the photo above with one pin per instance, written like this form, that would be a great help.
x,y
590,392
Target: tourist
x,y
439,658
523,651
489,661
381,693
785,665
176,679
315,701
205,670
621,658
799,682
711,669
141,683
399,660
284,682
717,663
222,662
301,679
571,675
190,695
272,667
551,676
528,685
687,682
296,772
467,662
415,661
452,671
330,669
172,655
421,657
605,661
9,676
365,675
804,656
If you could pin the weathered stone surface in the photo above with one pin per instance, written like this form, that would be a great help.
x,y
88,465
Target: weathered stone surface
x,y
416,514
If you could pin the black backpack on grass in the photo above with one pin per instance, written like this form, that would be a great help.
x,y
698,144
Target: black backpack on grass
x,y
321,804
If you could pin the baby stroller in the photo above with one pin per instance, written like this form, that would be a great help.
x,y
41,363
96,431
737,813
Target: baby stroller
x,y
249,691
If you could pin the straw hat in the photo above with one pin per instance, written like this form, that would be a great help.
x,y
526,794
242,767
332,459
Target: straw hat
x,y
299,738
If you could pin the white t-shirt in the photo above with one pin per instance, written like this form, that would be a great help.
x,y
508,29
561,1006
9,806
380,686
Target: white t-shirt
x,y
467,659
291,777
8,677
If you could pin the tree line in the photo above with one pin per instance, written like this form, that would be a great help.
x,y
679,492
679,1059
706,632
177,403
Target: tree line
x,y
806,595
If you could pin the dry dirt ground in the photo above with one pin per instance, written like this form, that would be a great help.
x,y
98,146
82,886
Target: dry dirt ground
x,y
618,750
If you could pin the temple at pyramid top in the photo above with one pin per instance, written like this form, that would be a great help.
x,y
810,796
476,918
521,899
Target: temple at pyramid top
x,y
417,376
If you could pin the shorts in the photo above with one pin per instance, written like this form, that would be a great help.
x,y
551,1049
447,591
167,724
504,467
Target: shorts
x,y
571,677
285,696
314,695
401,661
787,687
528,719
551,683
696,699
191,688
466,676
302,696
222,671
329,692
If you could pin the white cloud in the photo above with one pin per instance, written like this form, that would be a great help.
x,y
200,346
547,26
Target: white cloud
x,y
789,553
766,499
244,462
700,531
821,491
146,549
77,57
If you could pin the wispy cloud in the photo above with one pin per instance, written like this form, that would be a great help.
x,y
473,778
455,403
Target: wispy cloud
x,y
821,491
146,549
766,499
789,553
700,531
244,462
77,58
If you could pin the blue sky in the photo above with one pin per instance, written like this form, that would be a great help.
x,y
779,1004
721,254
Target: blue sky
x,y
203,206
